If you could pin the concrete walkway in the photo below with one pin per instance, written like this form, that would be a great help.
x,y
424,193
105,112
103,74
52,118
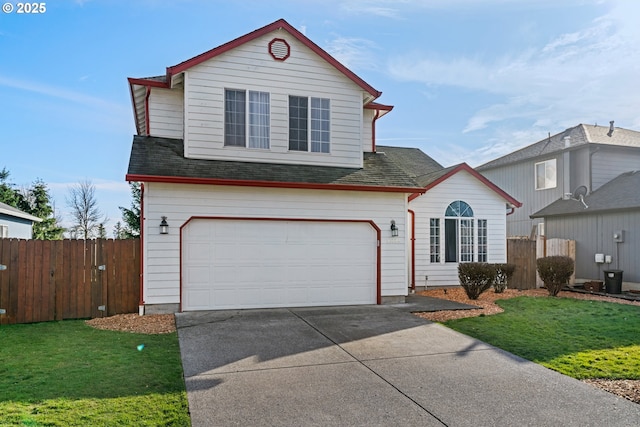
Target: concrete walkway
x,y
370,366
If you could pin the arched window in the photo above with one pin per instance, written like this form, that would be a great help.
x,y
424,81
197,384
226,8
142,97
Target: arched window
x,y
458,232
459,209
464,238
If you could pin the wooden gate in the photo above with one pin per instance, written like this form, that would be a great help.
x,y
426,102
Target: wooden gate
x,y
44,280
522,253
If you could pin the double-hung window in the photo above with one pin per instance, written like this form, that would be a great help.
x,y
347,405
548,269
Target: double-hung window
x,y
545,174
236,111
309,124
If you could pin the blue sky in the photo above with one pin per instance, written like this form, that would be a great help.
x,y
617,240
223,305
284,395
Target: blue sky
x,y
470,80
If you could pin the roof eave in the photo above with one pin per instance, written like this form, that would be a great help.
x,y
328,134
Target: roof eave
x,y
270,184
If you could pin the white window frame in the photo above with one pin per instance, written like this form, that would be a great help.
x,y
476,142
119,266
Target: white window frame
x,y
4,231
471,235
257,124
434,240
318,138
550,178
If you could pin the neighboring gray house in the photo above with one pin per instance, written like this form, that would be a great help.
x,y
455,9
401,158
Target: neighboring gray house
x,y
553,168
607,223
15,223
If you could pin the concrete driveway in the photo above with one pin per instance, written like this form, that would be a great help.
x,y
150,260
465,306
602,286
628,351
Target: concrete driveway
x,y
370,366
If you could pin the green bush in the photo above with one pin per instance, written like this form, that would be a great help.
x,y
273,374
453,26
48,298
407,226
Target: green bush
x,y
503,276
555,272
476,277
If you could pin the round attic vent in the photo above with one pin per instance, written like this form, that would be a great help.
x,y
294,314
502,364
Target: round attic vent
x,y
279,49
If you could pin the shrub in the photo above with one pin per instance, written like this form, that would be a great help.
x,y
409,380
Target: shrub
x,y
555,272
503,276
476,277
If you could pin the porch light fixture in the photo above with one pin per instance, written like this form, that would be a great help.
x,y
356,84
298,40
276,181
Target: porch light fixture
x,y
394,228
164,227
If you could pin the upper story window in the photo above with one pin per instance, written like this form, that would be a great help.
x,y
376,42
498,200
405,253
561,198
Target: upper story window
x,y
236,111
545,174
309,121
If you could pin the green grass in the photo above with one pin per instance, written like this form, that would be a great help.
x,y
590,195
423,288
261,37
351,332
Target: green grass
x,y
582,339
69,374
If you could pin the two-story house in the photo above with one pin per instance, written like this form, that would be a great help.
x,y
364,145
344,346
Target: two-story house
x,y
578,183
262,185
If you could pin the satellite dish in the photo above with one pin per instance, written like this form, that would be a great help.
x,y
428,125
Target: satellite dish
x,y
579,193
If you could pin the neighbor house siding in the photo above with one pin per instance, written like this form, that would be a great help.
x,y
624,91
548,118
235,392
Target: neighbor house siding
x,y
518,180
367,131
486,204
18,228
166,113
594,234
607,163
251,67
180,202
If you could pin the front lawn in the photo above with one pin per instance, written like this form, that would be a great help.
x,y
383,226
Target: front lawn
x,y
582,339
69,374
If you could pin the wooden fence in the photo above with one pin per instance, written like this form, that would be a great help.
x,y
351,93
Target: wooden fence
x,y
524,252
44,280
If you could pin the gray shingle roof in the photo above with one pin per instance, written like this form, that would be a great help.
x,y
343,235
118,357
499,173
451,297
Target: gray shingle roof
x,y
579,135
164,157
422,168
621,193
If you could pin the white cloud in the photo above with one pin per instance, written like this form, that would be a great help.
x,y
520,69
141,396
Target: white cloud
x,y
353,52
583,76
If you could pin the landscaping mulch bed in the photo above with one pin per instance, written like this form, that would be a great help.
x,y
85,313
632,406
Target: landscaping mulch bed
x,y
149,324
628,389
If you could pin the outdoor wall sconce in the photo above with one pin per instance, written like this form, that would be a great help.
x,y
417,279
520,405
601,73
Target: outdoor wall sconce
x,y
394,229
164,227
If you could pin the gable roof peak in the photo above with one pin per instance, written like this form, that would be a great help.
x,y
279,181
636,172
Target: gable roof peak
x,y
280,24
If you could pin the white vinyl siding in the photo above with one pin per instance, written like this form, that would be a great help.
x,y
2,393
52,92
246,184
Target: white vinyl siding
x,y
251,67
165,113
486,205
179,202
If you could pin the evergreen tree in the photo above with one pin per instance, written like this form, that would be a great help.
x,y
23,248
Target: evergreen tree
x,y
131,217
35,201
38,203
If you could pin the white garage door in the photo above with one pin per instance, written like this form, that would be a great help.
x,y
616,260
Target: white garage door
x,y
260,264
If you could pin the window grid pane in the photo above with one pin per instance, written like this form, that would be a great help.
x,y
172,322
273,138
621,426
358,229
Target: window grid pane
x,y
466,240
434,240
234,118
320,125
482,240
298,126
258,119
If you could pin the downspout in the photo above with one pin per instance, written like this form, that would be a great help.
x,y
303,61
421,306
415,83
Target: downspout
x,y
513,209
141,303
413,249
373,130
146,112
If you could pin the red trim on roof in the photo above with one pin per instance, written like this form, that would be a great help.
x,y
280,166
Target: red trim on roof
x,y
379,107
147,82
475,174
277,25
271,184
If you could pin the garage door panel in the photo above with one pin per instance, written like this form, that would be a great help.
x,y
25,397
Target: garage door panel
x,y
252,264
